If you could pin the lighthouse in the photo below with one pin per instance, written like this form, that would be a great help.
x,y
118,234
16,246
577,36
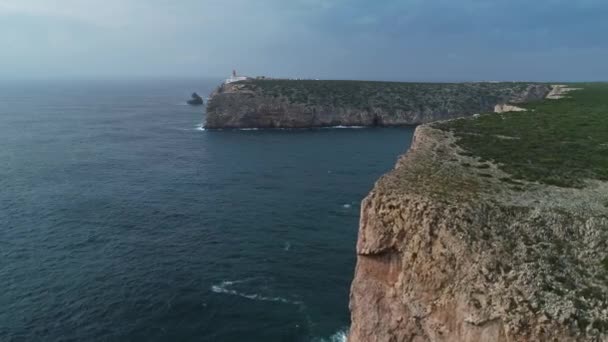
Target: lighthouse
x,y
235,78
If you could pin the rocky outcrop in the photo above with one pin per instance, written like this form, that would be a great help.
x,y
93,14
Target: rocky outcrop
x,y
451,249
195,100
505,108
303,104
559,91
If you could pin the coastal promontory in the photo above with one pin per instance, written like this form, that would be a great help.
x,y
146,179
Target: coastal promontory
x,y
491,228
281,103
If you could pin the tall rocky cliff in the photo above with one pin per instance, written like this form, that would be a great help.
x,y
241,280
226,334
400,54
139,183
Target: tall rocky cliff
x,y
311,103
450,250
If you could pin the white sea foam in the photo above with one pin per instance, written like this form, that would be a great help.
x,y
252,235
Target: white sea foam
x,y
340,336
342,127
224,288
347,206
287,246
292,129
199,127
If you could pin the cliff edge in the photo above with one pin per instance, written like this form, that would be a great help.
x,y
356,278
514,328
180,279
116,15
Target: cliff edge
x,y
272,103
473,237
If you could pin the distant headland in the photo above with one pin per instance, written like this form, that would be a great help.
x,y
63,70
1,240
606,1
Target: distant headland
x,y
264,102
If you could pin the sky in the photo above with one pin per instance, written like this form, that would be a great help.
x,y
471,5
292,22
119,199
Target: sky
x,y
407,40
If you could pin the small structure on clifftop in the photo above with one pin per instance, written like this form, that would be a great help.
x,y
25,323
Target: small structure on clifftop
x,y
235,78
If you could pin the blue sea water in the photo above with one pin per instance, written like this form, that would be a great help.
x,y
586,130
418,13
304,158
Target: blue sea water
x,y
122,220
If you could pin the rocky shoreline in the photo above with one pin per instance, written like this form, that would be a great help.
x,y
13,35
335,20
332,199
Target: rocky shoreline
x,y
453,248
310,103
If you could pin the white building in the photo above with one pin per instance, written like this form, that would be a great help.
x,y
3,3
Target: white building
x,y
235,78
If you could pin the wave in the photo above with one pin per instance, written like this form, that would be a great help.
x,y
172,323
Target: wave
x,y
224,288
199,127
342,127
340,336
289,128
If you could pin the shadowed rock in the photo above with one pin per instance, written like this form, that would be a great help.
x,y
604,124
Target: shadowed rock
x,y
196,100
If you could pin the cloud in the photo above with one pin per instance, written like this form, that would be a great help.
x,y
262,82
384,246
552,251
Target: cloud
x,y
391,39
106,13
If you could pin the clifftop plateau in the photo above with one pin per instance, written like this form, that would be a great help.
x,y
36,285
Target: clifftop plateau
x,y
273,103
492,228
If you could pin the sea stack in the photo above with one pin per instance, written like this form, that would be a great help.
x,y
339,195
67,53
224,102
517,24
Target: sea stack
x,y
196,100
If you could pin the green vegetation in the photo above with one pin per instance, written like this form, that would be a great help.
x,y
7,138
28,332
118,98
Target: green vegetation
x,y
391,96
605,264
558,142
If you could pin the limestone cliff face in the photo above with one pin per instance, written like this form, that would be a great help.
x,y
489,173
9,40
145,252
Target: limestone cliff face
x,y
303,104
449,251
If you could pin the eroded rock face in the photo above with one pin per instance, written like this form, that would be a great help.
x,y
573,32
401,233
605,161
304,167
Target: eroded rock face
x,y
505,108
559,91
304,104
450,252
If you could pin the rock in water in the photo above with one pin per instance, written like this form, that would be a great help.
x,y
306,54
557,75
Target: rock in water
x,y
196,100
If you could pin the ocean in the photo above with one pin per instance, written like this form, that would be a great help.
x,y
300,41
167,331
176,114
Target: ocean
x,y
121,219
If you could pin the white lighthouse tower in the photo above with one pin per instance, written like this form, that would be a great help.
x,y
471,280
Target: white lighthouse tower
x,y
235,78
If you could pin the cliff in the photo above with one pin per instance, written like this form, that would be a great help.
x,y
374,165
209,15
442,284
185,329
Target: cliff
x,y
486,231
310,103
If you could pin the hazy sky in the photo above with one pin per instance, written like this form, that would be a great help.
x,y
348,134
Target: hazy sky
x,y
340,39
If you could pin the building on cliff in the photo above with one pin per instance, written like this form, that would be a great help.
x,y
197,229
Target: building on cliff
x,y
234,78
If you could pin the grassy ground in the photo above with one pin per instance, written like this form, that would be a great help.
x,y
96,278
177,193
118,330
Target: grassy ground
x,y
391,96
558,142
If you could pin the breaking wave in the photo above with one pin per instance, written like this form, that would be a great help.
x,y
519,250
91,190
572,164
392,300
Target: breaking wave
x,y
340,336
342,127
225,288
289,128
